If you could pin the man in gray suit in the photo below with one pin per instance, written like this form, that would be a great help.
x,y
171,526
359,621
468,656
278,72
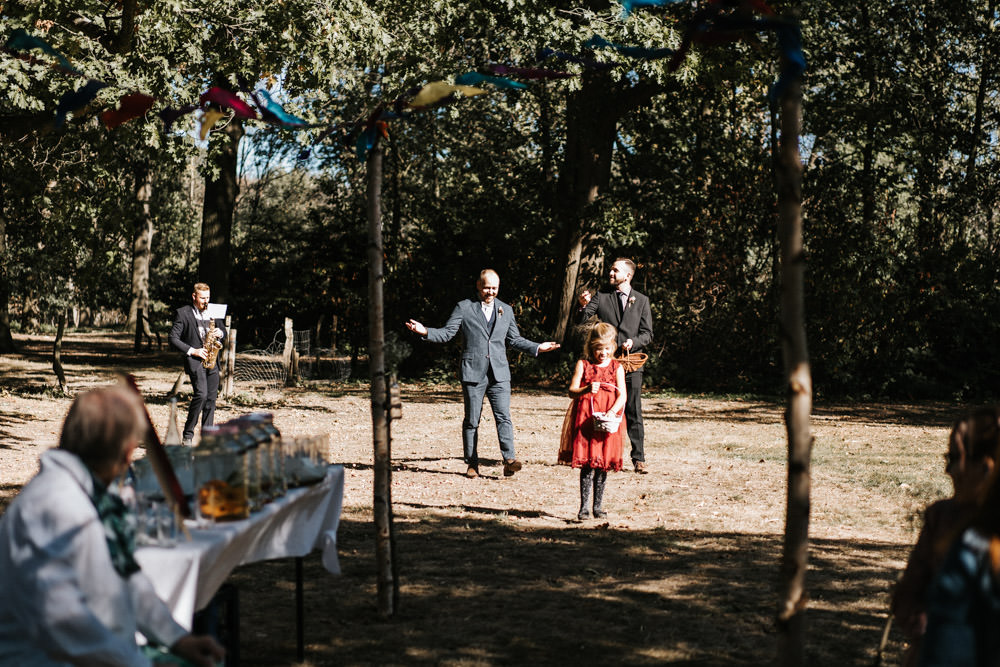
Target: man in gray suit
x,y
488,327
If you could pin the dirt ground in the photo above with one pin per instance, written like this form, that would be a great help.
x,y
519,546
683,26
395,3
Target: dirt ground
x,y
497,571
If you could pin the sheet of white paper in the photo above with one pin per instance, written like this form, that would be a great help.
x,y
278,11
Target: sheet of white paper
x,y
217,311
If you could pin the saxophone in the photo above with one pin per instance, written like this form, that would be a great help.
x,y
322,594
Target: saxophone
x,y
212,345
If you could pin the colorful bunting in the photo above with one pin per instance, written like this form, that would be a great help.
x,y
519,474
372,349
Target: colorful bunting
x,y
209,118
271,110
597,42
718,22
475,79
76,99
21,41
794,64
586,62
129,107
628,5
224,98
438,91
170,114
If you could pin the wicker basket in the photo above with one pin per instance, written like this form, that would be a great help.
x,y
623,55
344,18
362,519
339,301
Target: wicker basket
x,y
632,361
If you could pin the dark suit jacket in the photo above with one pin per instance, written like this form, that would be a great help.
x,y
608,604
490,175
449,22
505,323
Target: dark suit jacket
x,y
635,323
184,335
485,345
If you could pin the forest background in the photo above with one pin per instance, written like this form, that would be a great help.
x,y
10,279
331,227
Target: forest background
x,y
674,168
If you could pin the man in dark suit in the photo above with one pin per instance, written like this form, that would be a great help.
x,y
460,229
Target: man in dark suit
x,y
488,327
628,311
191,326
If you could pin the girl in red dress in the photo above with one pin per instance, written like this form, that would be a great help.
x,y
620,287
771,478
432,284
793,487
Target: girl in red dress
x,y
598,385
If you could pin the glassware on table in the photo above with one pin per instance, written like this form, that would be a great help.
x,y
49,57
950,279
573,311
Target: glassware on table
x,y
272,443
220,477
249,441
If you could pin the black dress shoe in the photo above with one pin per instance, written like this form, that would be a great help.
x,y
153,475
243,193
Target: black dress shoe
x,y
583,515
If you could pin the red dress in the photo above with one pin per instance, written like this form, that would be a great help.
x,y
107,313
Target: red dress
x,y
580,446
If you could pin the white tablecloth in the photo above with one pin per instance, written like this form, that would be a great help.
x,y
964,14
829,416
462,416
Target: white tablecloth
x,y
188,575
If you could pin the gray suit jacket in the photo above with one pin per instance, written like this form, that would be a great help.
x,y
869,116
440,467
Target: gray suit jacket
x,y
485,344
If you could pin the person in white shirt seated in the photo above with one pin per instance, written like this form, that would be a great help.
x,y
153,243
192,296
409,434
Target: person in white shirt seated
x,y
72,590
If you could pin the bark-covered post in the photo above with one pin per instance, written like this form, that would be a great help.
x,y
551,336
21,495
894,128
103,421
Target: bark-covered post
x,y
286,355
230,359
57,366
794,557
387,590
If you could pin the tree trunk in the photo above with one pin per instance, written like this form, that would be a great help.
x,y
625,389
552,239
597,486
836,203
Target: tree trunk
x,y
591,120
387,582
872,121
217,214
6,338
792,604
592,115
57,366
142,244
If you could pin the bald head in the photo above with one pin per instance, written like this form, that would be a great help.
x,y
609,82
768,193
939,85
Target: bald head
x,y
488,285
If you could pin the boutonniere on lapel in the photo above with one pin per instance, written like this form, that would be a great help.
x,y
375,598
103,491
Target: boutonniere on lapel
x,y
631,300
499,311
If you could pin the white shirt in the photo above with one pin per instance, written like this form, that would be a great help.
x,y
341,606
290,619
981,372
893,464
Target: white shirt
x,y
487,309
62,601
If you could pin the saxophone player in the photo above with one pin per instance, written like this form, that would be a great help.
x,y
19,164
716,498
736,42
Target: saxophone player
x,y
199,338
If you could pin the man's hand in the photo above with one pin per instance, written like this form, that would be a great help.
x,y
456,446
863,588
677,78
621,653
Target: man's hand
x,y
416,327
200,352
548,346
584,298
201,650
627,345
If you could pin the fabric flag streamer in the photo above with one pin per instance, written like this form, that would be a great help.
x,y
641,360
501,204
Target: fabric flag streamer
x,y
629,5
530,72
437,91
586,62
21,41
475,79
366,140
129,107
76,99
597,42
208,120
273,111
794,64
170,114
225,98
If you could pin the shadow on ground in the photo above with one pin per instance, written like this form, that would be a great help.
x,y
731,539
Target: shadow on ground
x,y
482,591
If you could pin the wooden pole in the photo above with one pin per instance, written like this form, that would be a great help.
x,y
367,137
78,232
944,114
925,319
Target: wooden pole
x,y
794,558
227,387
138,329
387,588
286,355
57,366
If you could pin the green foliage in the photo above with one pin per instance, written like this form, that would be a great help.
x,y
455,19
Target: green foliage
x,y
900,192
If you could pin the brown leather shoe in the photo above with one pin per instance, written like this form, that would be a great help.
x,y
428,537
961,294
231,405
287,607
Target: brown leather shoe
x,y
640,467
472,472
511,467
